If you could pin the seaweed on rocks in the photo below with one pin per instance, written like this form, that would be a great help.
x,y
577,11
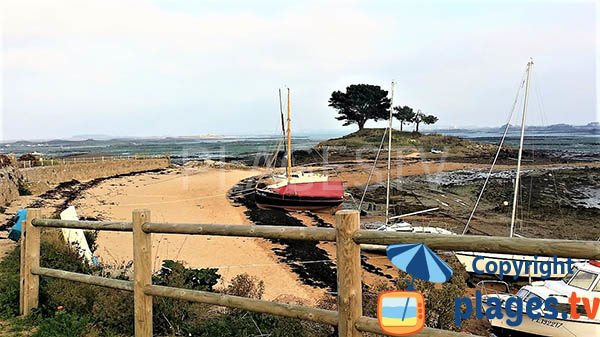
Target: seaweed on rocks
x,y
363,258
70,190
320,274
318,221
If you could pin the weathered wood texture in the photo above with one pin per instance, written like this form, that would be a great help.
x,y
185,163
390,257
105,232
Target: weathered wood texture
x,y
82,278
488,244
88,225
349,276
347,236
142,274
30,258
279,309
267,232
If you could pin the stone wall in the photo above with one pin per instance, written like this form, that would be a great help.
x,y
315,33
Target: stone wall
x,y
10,178
40,179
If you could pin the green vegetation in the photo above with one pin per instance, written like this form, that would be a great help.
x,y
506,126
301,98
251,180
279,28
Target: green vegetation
x,y
85,310
422,118
406,115
360,103
363,102
409,142
439,298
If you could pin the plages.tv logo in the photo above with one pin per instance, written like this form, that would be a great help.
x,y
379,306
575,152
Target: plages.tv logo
x,y
402,313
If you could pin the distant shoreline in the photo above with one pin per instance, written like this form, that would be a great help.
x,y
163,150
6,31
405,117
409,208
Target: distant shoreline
x,y
251,149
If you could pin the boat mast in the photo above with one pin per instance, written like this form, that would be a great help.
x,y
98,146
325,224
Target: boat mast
x,y
389,163
518,178
282,123
289,140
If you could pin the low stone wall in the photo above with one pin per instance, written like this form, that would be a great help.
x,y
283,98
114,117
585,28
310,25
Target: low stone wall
x,y
10,178
40,179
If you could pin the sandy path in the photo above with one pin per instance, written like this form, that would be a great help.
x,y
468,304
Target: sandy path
x,y
190,196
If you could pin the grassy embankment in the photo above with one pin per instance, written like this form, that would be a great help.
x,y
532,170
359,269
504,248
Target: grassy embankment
x,y
410,142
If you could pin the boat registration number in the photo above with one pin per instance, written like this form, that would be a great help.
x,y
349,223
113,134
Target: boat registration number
x,y
549,323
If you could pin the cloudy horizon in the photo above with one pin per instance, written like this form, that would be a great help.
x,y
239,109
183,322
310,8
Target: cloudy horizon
x,y
163,68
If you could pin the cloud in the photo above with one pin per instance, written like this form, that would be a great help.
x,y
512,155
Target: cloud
x,y
105,66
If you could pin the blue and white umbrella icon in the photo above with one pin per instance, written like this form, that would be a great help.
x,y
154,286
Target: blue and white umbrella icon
x,y
419,261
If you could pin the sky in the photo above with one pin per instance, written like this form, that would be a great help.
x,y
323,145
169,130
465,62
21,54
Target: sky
x,y
168,68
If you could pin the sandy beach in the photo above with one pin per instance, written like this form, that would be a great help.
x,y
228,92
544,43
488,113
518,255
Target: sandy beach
x,y
199,194
189,195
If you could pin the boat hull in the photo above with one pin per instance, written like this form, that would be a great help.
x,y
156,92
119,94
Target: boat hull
x,y
268,199
545,327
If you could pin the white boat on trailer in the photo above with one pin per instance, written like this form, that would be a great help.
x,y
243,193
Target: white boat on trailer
x,y
584,281
467,258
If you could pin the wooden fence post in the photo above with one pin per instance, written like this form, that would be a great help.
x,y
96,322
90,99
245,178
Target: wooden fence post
x,y
30,258
349,278
142,270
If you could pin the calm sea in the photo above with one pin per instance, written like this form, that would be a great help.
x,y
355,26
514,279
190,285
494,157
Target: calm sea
x,y
183,149
569,144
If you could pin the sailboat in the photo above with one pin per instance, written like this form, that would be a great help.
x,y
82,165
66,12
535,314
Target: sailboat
x,y
468,258
394,223
298,190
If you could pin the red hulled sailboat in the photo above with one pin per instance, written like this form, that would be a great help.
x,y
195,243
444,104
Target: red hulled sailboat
x,y
298,190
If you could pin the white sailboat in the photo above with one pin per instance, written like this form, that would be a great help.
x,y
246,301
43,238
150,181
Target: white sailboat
x,y
584,281
468,258
394,223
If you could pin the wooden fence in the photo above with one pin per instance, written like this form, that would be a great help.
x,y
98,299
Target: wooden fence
x,y
347,235
81,160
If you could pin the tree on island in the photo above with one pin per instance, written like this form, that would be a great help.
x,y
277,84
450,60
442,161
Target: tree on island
x,y
423,118
360,103
404,114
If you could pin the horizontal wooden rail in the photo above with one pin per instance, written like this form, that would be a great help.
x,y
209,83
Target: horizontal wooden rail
x,y
89,225
369,324
348,238
273,308
83,278
486,244
266,232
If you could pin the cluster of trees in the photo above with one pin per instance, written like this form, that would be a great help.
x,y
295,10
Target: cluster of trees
x,y
363,102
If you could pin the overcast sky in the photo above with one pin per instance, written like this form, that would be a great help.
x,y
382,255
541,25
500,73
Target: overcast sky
x,y
152,68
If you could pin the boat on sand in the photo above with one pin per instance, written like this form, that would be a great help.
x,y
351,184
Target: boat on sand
x,y
298,190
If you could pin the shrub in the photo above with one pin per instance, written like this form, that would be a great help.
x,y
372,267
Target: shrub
x,y
95,311
245,285
113,312
91,237
61,324
178,317
246,324
439,299
9,284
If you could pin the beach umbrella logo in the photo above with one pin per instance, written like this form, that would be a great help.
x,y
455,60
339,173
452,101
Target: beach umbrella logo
x,y
402,313
419,261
